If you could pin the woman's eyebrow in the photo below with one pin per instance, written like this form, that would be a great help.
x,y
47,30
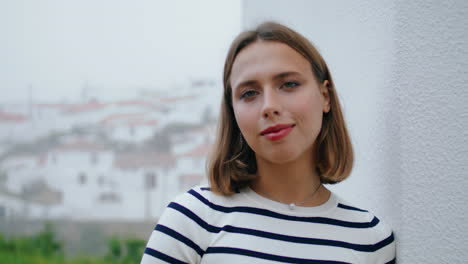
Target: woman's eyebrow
x,y
275,77
245,83
285,74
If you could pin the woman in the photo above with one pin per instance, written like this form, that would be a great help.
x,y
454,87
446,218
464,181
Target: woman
x,y
281,137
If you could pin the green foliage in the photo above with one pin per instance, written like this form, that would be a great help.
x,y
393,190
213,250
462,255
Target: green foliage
x,y
40,248
125,251
115,249
134,249
44,248
44,243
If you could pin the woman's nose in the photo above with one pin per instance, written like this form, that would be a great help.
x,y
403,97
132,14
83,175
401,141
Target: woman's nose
x,y
271,105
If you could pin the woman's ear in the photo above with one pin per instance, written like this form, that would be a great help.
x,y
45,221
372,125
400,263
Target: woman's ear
x,y
324,91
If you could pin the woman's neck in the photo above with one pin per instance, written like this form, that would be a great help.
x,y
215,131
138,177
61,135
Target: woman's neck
x,y
292,182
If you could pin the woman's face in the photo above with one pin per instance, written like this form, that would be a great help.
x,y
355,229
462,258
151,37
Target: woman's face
x,y
278,104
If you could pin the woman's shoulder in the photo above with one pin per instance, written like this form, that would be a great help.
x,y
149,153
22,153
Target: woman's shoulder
x,y
377,227
199,200
184,229
200,192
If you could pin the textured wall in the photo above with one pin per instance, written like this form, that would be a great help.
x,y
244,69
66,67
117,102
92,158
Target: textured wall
x,y
401,72
432,78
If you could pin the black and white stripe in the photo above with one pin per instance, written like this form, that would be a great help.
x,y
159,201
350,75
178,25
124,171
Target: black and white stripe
x,y
201,227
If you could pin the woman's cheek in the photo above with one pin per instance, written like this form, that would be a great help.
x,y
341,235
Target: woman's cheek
x,y
243,120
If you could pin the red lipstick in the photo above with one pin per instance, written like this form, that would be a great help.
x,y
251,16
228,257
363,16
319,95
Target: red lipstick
x,y
277,132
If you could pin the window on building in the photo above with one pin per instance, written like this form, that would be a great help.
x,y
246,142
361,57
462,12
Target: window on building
x,y
101,180
3,177
109,197
82,178
94,159
2,211
150,180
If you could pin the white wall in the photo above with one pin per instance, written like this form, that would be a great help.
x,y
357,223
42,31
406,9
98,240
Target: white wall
x,y
400,68
432,41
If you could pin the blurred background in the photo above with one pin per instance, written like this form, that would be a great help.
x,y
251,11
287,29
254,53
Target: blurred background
x,y
108,110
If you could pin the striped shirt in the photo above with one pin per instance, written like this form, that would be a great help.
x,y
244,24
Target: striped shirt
x,y
202,227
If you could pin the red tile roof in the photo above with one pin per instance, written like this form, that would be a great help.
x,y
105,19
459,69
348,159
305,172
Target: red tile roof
x,y
81,145
61,105
138,102
191,177
143,160
91,106
199,151
135,119
12,117
178,98
75,108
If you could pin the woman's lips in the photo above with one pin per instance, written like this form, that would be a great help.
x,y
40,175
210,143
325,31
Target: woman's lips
x,y
277,132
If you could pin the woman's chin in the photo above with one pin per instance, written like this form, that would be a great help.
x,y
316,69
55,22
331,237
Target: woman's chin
x,y
280,158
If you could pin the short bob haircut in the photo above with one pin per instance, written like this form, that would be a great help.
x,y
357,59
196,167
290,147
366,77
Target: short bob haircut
x,y
232,164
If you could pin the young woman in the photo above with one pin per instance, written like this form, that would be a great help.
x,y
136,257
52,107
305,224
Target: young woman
x,y
281,137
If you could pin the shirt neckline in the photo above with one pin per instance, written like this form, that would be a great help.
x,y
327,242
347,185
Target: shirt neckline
x,y
266,203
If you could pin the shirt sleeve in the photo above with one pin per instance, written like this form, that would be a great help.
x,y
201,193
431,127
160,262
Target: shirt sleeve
x,y
176,237
385,248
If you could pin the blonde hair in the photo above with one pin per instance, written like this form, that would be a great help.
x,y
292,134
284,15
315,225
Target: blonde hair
x,y
232,164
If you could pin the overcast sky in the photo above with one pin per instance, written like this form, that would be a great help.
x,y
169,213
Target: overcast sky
x,y
54,47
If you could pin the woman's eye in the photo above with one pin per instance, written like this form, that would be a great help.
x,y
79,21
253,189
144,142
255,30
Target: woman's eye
x,y
248,94
290,84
